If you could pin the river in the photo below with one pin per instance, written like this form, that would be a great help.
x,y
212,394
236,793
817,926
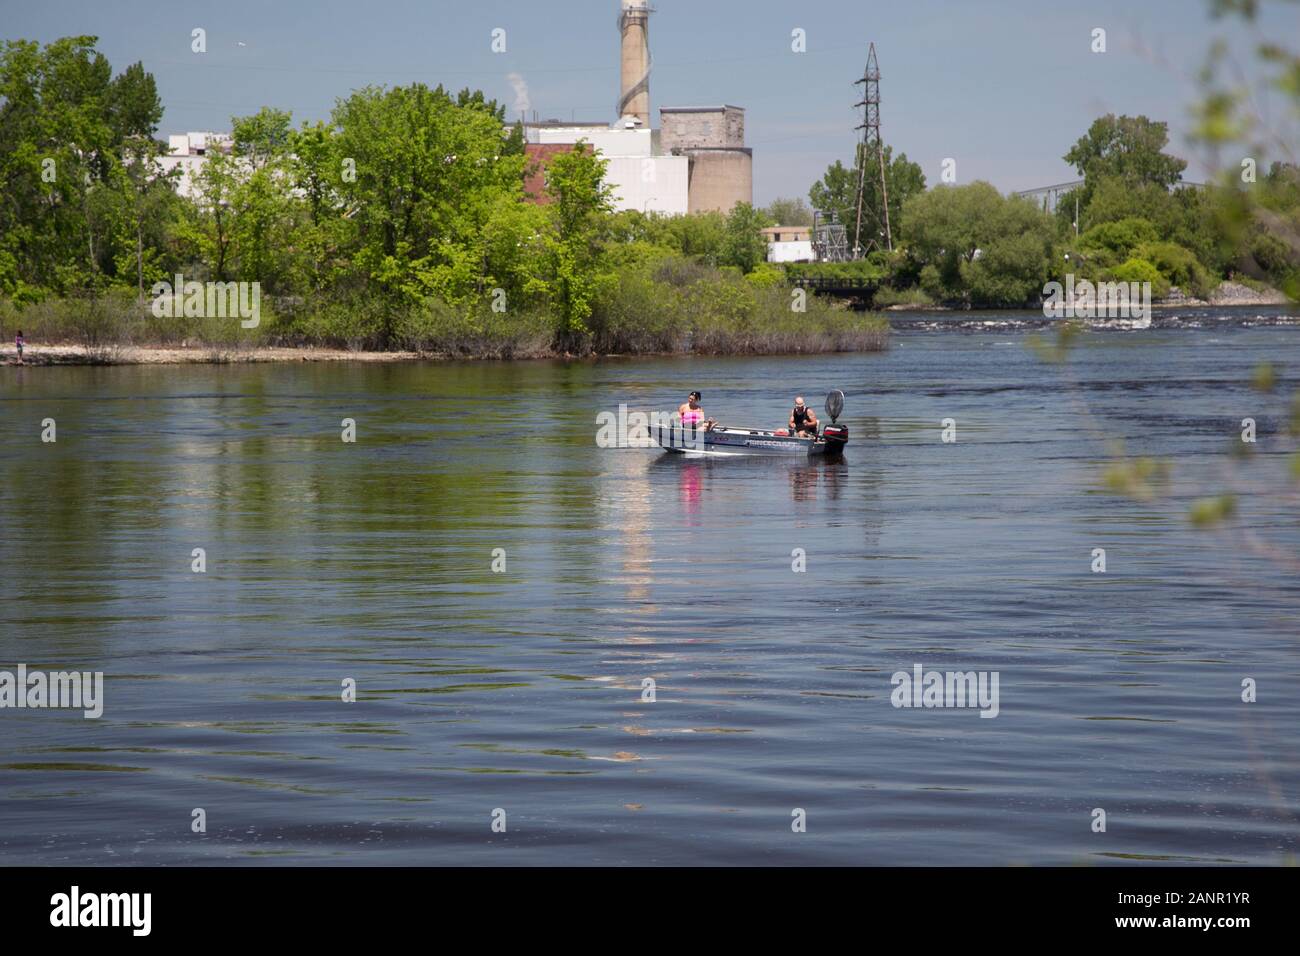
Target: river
x,y
520,695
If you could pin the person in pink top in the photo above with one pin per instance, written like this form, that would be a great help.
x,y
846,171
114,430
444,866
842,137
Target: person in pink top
x,y
692,414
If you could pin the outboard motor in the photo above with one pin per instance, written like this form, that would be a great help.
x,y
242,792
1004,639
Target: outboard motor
x,y
836,436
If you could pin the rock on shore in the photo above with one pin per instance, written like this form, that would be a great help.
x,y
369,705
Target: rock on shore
x,y
1234,293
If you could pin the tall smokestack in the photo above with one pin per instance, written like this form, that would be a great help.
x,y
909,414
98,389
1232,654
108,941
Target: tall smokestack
x,y
633,26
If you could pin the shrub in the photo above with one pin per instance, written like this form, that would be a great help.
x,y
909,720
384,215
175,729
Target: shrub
x,y
912,298
436,327
766,276
1179,266
1118,238
870,268
1140,270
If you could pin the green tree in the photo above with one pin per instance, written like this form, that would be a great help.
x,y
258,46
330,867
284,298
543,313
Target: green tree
x,y
133,106
1128,152
323,239
973,243
212,230
788,212
744,246
429,169
580,197
699,235
263,136
837,192
75,167
56,151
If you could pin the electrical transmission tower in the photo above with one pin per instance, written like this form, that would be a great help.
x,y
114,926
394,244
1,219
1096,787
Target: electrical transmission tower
x,y
830,243
870,147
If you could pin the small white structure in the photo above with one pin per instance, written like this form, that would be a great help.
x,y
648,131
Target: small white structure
x,y
188,152
790,252
789,243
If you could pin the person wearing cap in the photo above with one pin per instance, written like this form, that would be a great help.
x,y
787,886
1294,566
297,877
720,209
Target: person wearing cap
x,y
803,421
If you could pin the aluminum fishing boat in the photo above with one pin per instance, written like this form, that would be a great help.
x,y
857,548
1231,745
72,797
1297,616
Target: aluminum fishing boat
x,y
737,440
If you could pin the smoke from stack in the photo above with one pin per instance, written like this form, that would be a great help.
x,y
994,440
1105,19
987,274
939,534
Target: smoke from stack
x,y
633,26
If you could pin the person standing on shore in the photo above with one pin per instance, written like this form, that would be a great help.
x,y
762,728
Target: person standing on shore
x,y
18,343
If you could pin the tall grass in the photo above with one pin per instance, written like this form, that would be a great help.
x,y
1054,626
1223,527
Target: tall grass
x,y
670,307
681,306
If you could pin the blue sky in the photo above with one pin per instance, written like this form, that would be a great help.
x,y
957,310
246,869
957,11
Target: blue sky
x,y
1002,86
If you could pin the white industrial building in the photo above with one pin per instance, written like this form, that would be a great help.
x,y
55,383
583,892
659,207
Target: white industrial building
x,y
640,177
789,243
695,161
188,152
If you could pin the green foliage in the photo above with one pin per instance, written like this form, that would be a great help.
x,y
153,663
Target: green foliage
x,y
870,268
579,200
428,169
1140,270
788,212
1118,238
69,130
1011,271
1264,378
743,245
1208,512
903,298
265,134
766,275
701,234
1141,478
974,244
686,305
838,189
1127,148
1177,266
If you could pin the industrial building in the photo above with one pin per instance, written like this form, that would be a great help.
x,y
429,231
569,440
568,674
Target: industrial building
x,y
696,160
188,152
789,243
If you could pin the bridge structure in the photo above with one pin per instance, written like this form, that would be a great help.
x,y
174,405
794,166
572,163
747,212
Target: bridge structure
x,y
840,287
1048,196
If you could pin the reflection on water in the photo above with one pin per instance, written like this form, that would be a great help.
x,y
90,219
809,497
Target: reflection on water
x,y
527,689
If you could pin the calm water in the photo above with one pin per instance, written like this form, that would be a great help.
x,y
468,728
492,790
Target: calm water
x,y
522,690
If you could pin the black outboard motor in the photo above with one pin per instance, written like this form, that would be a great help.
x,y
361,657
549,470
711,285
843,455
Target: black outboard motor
x,y
835,436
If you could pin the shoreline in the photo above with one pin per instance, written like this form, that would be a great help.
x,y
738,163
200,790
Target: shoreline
x,y
65,354
48,356
45,356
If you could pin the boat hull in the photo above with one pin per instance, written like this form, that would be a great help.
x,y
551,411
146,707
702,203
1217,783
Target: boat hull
x,y
732,440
